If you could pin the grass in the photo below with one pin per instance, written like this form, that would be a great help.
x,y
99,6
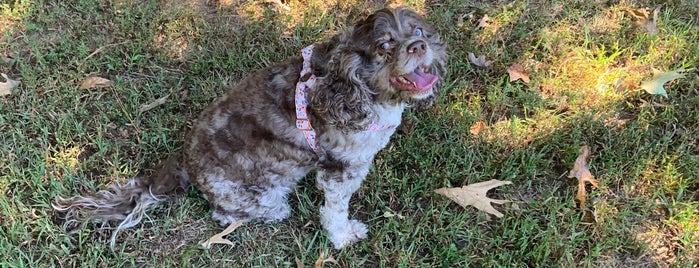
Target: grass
x,y
586,60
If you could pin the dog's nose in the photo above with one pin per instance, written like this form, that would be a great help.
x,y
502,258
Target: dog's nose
x,y
417,47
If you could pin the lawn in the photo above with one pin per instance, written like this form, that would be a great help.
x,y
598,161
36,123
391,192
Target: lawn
x,y
586,61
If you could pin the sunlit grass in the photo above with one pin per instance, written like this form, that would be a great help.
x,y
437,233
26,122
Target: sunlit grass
x,y
586,60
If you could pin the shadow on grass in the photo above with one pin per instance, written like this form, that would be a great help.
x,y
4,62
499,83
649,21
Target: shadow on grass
x,y
60,139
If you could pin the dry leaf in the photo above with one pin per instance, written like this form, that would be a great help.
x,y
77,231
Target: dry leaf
x,y
95,81
516,71
475,195
582,172
6,87
655,85
319,261
652,25
299,264
331,259
155,103
483,22
644,21
480,60
477,127
218,238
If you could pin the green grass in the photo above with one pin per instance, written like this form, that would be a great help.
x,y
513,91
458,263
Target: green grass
x,y
586,60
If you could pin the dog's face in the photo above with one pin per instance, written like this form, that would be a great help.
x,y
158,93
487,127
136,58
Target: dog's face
x,y
393,56
408,55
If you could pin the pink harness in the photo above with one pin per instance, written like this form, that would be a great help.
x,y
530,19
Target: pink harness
x,y
300,99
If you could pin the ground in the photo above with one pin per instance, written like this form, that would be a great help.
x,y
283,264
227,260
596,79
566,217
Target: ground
x,y
586,61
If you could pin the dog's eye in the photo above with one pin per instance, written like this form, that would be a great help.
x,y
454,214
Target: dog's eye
x,y
418,32
385,45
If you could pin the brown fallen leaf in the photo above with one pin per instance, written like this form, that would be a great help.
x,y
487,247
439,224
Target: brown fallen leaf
x,y
218,238
95,81
155,103
480,60
319,261
475,195
299,264
477,127
483,22
582,172
644,20
6,87
516,71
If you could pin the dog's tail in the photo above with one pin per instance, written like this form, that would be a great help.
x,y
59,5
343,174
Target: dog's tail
x,y
125,202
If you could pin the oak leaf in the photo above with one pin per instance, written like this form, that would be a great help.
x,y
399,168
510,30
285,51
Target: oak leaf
x,y
6,87
480,60
516,71
655,85
582,172
218,238
475,195
95,81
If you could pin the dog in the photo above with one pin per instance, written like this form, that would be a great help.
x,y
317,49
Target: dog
x,y
331,110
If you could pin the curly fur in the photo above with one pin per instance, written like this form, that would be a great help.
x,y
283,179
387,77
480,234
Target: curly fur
x,y
245,154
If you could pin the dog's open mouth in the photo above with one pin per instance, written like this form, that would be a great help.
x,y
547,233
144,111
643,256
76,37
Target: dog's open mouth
x,y
418,80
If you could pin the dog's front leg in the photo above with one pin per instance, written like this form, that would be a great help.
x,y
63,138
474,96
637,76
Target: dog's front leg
x,y
338,187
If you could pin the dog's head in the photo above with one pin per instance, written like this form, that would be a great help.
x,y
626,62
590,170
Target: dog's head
x,y
392,56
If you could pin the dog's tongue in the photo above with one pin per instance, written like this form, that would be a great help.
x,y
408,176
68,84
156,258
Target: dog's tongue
x,y
421,79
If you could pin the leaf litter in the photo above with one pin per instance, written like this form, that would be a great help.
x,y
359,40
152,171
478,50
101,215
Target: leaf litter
x,y
475,195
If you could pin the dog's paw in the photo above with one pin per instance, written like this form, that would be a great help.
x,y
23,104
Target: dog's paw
x,y
351,232
223,219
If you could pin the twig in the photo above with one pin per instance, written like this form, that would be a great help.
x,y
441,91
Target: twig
x,y
100,50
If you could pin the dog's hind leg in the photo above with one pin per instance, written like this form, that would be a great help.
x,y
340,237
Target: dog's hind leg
x,y
249,202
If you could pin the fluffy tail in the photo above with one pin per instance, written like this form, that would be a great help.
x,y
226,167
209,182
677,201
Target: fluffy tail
x,y
125,202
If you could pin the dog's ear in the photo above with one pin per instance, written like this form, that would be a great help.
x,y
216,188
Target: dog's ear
x,y
341,97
